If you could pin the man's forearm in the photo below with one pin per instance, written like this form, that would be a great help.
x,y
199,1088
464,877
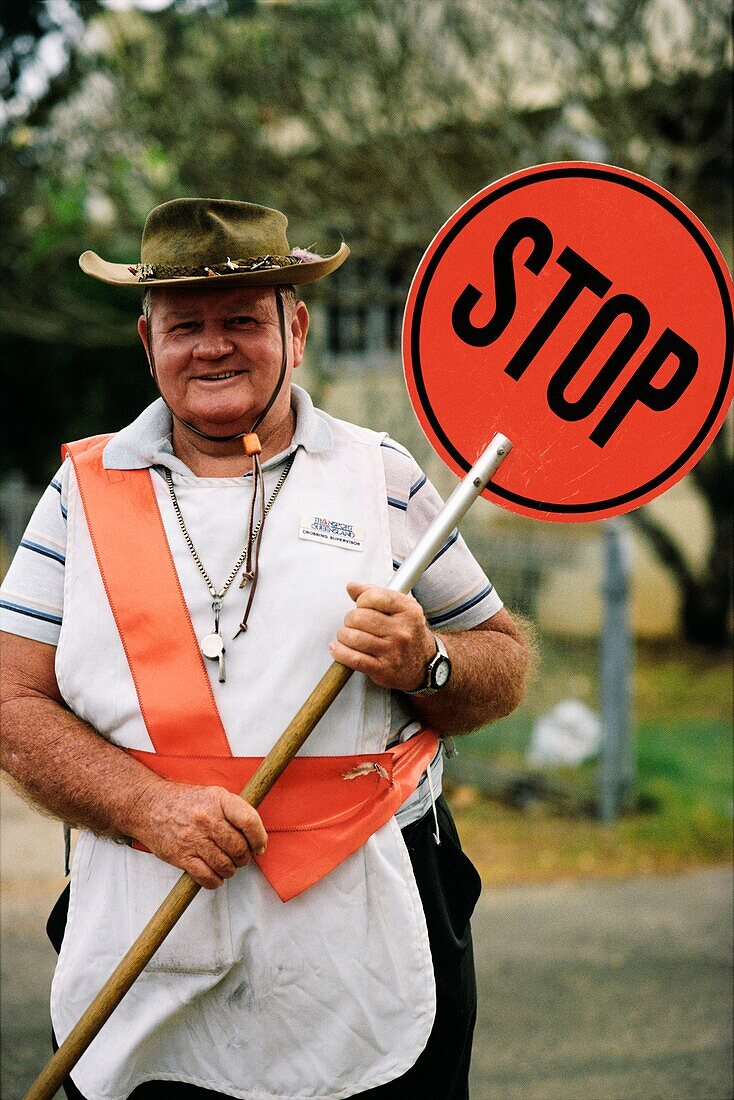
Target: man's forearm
x,y
69,769
488,679
387,637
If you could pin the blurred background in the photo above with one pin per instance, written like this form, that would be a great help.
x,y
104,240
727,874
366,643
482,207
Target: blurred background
x,y
603,807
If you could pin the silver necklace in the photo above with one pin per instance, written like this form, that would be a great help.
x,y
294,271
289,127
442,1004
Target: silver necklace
x,y
212,645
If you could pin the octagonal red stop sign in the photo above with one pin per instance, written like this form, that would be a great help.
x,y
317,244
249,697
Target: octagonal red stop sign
x,y
586,313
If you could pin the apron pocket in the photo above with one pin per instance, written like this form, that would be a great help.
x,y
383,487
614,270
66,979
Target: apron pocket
x,y
201,941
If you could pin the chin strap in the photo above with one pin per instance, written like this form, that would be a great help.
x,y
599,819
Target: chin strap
x,y
253,536
252,447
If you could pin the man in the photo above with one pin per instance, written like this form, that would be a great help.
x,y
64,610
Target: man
x,y
361,983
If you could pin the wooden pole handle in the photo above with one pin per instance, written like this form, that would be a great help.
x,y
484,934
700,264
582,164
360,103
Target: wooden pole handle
x,y
183,893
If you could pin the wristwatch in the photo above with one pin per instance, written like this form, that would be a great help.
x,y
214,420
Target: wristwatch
x,y
437,672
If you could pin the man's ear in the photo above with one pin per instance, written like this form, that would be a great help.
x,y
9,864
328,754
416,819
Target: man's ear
x,y
299,330
143,334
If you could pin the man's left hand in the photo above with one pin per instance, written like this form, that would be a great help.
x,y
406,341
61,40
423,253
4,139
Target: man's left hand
x,y
386,637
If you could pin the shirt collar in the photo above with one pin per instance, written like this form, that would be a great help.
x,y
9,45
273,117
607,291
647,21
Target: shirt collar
x,y
147,441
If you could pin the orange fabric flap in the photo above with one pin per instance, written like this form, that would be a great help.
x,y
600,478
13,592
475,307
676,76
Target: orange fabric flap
x,y
315,817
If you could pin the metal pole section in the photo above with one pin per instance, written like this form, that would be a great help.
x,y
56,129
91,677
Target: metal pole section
x,y
617,771
463,496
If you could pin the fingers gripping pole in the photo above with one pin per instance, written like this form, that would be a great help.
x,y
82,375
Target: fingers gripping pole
x,y
290,741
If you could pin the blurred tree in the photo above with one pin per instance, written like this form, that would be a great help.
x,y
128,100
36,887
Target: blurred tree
x,y
23,29
357,117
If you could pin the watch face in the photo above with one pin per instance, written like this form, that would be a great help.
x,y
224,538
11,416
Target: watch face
x,y
442,672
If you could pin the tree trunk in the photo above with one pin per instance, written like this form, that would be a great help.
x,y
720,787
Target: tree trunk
x,y
706,605
706,610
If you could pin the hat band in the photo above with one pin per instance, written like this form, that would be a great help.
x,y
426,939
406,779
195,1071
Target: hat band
x,y
229,267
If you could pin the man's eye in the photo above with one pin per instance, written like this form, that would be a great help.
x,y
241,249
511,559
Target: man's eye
x,y
245,320
184,325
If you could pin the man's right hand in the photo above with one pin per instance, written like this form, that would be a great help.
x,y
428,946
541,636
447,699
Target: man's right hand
x,y
65,766
206,831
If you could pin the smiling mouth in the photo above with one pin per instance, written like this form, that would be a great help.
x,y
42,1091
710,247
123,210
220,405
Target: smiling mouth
x,y
219,377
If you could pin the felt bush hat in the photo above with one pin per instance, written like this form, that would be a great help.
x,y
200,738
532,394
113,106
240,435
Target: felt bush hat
x,y
190,241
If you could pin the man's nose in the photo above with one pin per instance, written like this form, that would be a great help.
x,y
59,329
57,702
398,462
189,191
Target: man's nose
x,y
213,345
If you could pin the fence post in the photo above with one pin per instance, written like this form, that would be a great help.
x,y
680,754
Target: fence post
x,y
618,765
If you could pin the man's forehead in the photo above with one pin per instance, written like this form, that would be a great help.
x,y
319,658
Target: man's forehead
x,y
183,301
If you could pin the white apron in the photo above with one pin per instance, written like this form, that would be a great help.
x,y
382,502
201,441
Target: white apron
x,y
331,993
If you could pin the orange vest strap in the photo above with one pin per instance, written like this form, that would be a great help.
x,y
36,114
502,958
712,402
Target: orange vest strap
x,y
143,590
81,446
315,815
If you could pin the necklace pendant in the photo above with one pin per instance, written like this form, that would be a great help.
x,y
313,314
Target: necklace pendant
x,y
246,578
212,646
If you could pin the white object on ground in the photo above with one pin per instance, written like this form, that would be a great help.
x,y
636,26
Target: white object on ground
x,y
568,734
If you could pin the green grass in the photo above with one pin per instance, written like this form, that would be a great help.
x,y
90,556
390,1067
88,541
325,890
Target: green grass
x,y
687,763
683,708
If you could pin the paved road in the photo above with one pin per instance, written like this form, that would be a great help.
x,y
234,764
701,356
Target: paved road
x,y
600,991
606,991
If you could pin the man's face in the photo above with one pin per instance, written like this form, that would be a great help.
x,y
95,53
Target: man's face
x,y
218,350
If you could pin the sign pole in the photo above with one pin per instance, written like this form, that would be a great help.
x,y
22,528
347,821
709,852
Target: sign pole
x,y
617,767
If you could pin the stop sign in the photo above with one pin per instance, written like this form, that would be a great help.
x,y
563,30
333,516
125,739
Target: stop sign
x,y
586,313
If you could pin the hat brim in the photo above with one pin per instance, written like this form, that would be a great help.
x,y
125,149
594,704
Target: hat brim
x,y
306,272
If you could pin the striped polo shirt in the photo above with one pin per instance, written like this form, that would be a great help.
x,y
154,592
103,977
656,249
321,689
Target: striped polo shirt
x,y
453,591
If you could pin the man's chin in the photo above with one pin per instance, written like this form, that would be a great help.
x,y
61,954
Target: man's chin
x,y
223,425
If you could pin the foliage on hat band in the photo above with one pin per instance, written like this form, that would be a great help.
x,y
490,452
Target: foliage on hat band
x,y
229,267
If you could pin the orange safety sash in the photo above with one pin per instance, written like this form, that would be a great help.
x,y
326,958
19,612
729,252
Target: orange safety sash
x,y
322,808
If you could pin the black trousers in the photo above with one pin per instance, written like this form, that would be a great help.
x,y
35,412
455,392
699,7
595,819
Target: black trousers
x,y
449,887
